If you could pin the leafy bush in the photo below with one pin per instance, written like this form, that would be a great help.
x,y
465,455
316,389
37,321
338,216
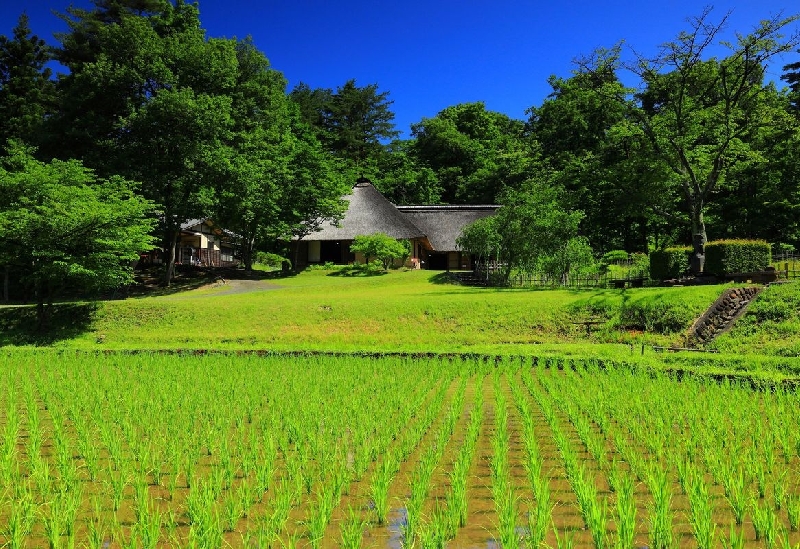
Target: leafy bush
x,y
669,262
736,256
380,246
614,256
575,258
271,260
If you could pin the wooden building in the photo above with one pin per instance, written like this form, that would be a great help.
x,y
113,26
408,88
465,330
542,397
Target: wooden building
x,y
431,230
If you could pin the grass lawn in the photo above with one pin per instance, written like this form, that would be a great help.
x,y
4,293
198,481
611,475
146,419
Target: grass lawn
x,y
399,311
420,312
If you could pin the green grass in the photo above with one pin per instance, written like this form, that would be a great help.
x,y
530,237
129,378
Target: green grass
x,y
770,326
416,311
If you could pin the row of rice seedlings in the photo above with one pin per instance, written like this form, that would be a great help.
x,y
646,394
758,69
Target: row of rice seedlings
x,y
145,457
438,528
714,433
700,509
540,513
457,498
594,509
505,498
723,449
621,482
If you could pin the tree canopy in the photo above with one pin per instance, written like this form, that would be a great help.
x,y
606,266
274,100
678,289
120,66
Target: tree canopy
x,y
61,226
198,127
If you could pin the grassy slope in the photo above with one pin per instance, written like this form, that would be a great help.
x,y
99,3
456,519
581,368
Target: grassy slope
x,y
400,311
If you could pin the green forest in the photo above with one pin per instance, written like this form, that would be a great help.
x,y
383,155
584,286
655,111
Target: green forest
x,y
152,122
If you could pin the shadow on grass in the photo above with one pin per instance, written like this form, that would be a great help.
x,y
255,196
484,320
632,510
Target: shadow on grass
x,y
19,325
444,279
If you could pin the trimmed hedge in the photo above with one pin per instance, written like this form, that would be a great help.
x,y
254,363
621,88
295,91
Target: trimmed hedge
x,y
669,262
724,257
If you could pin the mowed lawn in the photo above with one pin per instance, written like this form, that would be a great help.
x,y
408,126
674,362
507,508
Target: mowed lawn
x,y
399,311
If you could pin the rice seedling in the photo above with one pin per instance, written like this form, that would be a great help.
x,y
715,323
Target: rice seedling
x,y
735,487
232,511
96,531
765,523
117,481
53,521
735,539
626,513
660,512
566,541
779,490
318,517
379,488
700,514
507,510
149,528
20,520
352,530
793,510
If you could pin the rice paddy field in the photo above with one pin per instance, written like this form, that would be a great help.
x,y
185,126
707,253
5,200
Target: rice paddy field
x,y
111,449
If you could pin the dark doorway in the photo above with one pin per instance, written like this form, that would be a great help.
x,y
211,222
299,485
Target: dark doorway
x,y
330,251
437,262
336,252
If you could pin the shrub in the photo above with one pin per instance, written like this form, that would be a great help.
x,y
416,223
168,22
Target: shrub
x,y
271,260
669,262
381,246
614,256
736,256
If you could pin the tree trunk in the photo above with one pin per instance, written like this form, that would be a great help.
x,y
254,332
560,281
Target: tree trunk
x,y
169,272
247,253
41,313
697,261
6,284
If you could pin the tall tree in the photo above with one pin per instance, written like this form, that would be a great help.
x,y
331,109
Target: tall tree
x,y
147,96
255,157
357,119
586,136
475,153
403,179
352,121
64,227
311,186
532,224
27,94
699,114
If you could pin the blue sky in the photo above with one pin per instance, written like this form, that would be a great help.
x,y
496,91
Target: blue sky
x,y
432,54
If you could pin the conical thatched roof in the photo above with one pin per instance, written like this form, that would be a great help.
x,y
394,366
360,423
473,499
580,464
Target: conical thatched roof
x,y
368,212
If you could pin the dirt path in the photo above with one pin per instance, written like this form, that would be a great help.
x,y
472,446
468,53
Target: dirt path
x,y
235,287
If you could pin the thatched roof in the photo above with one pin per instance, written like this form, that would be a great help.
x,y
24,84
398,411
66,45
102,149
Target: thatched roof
x,y
443,224
368,212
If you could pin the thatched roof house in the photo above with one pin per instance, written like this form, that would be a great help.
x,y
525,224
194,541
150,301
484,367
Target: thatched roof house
x,y
432,230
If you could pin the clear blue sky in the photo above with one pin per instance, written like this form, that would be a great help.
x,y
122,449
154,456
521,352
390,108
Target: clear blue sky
x,y
430,54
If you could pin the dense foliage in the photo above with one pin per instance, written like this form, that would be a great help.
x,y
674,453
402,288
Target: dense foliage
x,y
382,247
705,146
737,256
62,227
